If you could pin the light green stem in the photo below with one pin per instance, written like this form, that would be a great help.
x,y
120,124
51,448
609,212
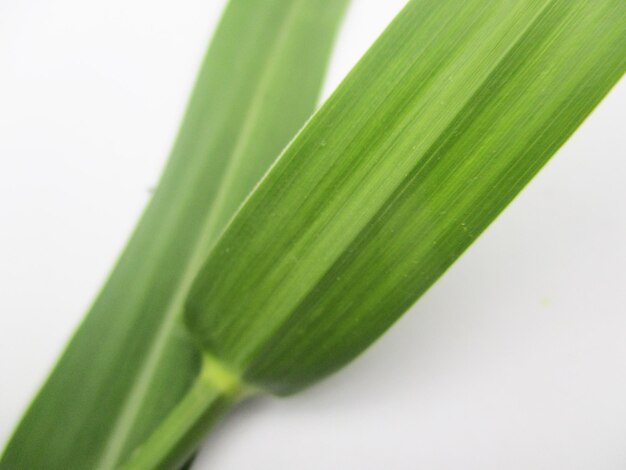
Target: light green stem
x,y
214,392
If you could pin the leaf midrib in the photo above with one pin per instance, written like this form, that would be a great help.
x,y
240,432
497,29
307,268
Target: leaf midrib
x,y
130,408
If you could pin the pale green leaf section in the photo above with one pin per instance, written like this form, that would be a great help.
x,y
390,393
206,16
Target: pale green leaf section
x,y
447,117
130,361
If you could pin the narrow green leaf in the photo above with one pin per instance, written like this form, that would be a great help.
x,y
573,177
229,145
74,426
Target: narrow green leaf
x,y
439,126
131,360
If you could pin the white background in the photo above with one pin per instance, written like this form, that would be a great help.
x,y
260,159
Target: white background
x,y
516,359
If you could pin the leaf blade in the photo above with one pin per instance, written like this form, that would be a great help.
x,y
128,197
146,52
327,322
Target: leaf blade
x,y
366,209
94,390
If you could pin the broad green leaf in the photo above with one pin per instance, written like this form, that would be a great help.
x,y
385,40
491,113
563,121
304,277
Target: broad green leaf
x,y
131,360
447,117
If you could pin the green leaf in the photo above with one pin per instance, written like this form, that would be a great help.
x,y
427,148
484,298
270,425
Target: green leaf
x,y
131,361
447,117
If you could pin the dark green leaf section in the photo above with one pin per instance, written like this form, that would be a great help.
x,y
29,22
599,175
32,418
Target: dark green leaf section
x,y
131,360
435,131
